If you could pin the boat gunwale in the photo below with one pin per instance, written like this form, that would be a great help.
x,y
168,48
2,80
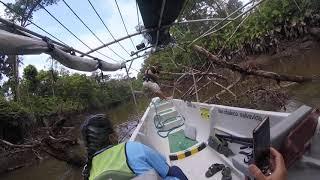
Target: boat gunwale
x,y
142,120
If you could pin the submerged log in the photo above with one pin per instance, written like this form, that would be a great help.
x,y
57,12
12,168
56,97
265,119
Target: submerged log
x,y
245,71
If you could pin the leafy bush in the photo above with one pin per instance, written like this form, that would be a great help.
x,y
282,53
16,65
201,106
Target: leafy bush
x,y
47,93
14,121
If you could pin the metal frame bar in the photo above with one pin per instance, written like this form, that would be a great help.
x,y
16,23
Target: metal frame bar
x,y
117,40
129,36
176,23
144,31
64,47
130,65
78,17
64,26
201,20
136,58
104,24
60,43
131,87
159,22
74,34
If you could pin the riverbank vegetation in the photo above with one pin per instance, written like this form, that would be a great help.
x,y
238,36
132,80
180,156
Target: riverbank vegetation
x,y
48,94
259,31
51,105
228,74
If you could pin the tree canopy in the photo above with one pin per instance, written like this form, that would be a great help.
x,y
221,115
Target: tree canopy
x,y
23,9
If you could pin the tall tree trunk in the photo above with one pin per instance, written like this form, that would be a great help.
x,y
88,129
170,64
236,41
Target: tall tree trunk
x,y
14,63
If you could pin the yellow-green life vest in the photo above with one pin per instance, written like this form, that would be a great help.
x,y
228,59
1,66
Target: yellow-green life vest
x,y
111,164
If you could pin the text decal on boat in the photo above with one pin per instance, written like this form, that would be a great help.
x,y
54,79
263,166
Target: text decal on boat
x,y
241,114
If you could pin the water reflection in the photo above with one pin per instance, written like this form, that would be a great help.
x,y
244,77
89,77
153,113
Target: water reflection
x,y
49,169
52,169
307,64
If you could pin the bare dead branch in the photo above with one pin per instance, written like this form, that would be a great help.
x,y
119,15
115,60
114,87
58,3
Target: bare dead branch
x,y
230,86
224,90
188,91
16,145
178,90
166,85
218,76
203,87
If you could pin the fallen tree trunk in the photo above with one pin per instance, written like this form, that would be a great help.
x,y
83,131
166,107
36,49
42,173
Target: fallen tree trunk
x,y
246,71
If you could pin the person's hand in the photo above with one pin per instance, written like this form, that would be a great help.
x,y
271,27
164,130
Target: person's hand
x,y
279,171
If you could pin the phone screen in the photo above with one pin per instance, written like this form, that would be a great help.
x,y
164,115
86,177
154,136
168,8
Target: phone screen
x,y
261,145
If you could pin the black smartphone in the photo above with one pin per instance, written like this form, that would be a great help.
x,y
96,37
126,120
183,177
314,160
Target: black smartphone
x,y
261,146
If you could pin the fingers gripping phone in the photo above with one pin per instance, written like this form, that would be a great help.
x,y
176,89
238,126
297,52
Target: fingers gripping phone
x,y
261,146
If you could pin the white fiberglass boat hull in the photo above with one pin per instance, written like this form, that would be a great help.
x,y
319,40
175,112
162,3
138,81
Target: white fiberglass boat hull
x,y
204,118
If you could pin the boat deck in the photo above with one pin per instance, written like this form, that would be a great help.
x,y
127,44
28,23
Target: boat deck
x,y
195,166
206,119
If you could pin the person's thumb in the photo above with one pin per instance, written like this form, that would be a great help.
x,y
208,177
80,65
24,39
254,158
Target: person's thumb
x,y
256,173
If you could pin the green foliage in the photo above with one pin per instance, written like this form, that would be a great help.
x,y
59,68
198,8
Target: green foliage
x,y
42,107
7,70
273,19
30,74
23,9
4,66
19,11
270,15
12,111
47,93
14,121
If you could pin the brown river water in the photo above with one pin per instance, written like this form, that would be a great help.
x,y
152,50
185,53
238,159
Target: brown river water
x,y
306,64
